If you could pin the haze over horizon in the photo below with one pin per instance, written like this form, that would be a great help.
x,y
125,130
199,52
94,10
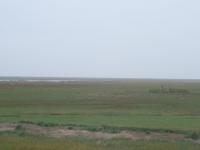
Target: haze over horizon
x,y
118,39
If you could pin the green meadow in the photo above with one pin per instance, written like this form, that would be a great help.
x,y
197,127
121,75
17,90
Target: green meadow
x,y
15,142
117,103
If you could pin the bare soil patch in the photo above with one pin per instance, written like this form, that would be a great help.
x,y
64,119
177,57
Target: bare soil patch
x,y
7,127
61,132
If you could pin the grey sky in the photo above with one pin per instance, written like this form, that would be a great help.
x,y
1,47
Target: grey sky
x,y
106,38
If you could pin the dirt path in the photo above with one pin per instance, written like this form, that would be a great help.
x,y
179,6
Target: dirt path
x,y
60,132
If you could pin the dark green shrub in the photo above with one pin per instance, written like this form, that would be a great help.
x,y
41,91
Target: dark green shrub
x,y
19,128
194,136
70,128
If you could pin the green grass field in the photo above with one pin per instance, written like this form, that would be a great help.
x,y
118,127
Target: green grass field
x,y
117,103
15,142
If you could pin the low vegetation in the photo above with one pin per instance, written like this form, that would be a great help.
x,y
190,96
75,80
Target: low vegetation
x,y
14,142
110,129
164,90
109,106
194,136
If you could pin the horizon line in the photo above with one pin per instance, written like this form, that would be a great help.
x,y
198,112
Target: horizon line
x,y
87,77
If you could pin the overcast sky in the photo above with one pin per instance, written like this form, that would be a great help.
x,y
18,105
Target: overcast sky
x,y
104,38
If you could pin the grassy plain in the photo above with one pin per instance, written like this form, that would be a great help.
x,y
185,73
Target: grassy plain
x,y
124,103
115,103
15,142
